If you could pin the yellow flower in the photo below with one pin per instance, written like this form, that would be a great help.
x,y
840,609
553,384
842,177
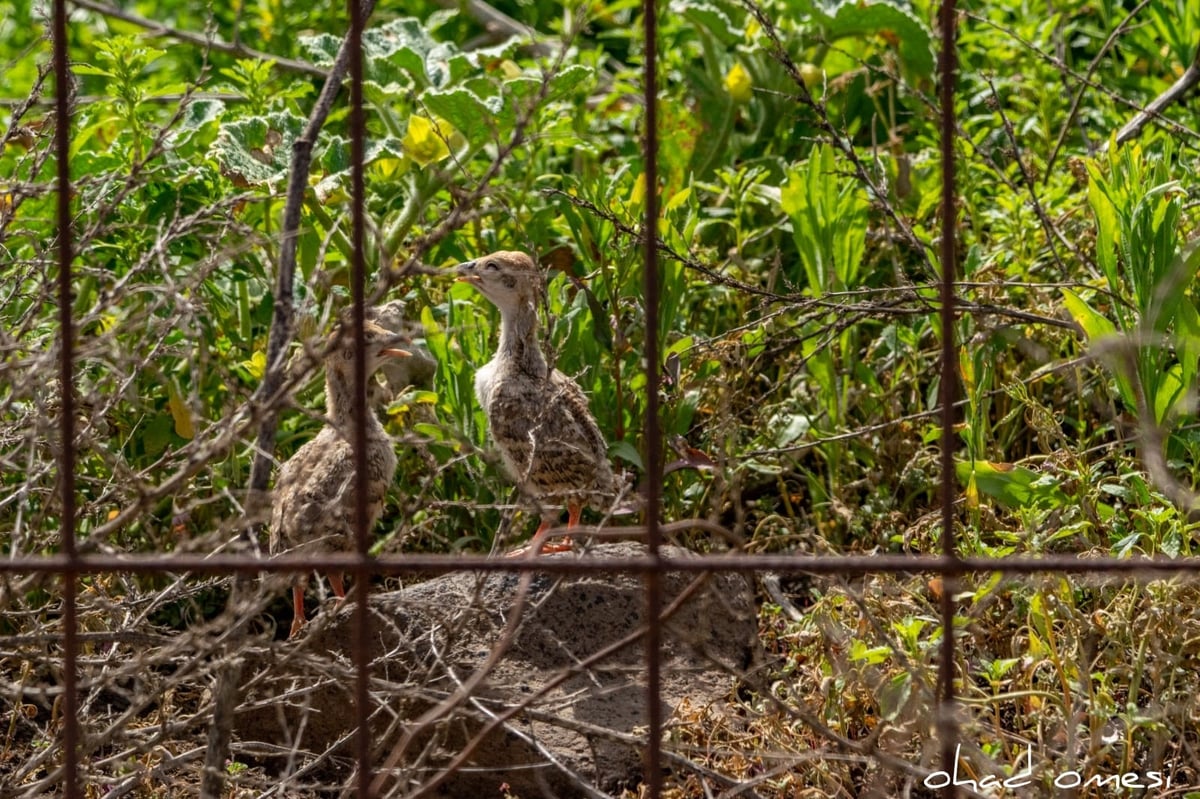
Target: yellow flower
x,y
425,141
738,84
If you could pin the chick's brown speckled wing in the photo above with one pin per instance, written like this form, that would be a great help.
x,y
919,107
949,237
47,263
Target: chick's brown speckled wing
x,y
548,438
311,494
314,495
572,397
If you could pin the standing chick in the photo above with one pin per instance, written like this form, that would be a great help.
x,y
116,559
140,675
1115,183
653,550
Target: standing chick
x,y
314,495
538,417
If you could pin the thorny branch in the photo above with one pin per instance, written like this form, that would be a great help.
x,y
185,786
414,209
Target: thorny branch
x,y
202,40
1073,113
1085,81
1153,112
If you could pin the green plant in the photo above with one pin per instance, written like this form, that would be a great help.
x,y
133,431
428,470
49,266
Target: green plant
x,y
123,63
1152,346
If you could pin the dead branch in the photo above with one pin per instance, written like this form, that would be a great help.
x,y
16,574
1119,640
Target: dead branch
x,y
202,40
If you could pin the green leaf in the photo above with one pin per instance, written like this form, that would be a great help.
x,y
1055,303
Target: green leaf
x,y
754,340
321,49
523,87
488,58
435,337
626,452
406,44
1095,325
898,27
790,428
679,198
710,18
679,346
894,694
197,124
474,117
601,327
1187,331
568,79
201,112
872,656
421,397
1013,486
258,150
335,156
1169,388
88,69
399,52
157,434
433,432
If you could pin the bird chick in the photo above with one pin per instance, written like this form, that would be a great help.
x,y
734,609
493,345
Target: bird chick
x,y
314,508
400,373
538,417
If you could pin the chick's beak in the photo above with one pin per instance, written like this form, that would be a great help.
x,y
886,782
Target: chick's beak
x,y
466,272
392,351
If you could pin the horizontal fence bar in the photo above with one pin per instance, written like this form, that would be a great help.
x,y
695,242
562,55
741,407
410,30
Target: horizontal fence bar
x,y
857,565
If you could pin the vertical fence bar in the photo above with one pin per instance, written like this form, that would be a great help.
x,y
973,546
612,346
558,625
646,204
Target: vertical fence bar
x,y
947,725
66,470
654,591
361,631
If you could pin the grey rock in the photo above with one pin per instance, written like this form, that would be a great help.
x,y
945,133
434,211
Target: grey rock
x,y
583,735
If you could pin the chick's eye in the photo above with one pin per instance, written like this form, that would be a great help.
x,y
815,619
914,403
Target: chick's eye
x,y
490,265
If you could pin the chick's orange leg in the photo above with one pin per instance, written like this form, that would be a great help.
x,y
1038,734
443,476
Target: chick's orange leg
x,y
335,582
565,545
297,609
537,544
574,511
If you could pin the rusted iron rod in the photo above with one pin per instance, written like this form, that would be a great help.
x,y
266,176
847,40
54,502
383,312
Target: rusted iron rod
x,y
360,634
652,777
848,565
63,89
947,723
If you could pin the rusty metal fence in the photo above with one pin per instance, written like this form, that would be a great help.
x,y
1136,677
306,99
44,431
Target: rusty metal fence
x,y
69,564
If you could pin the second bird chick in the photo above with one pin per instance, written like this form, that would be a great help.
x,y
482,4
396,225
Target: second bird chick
x,y
314,494
538,417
